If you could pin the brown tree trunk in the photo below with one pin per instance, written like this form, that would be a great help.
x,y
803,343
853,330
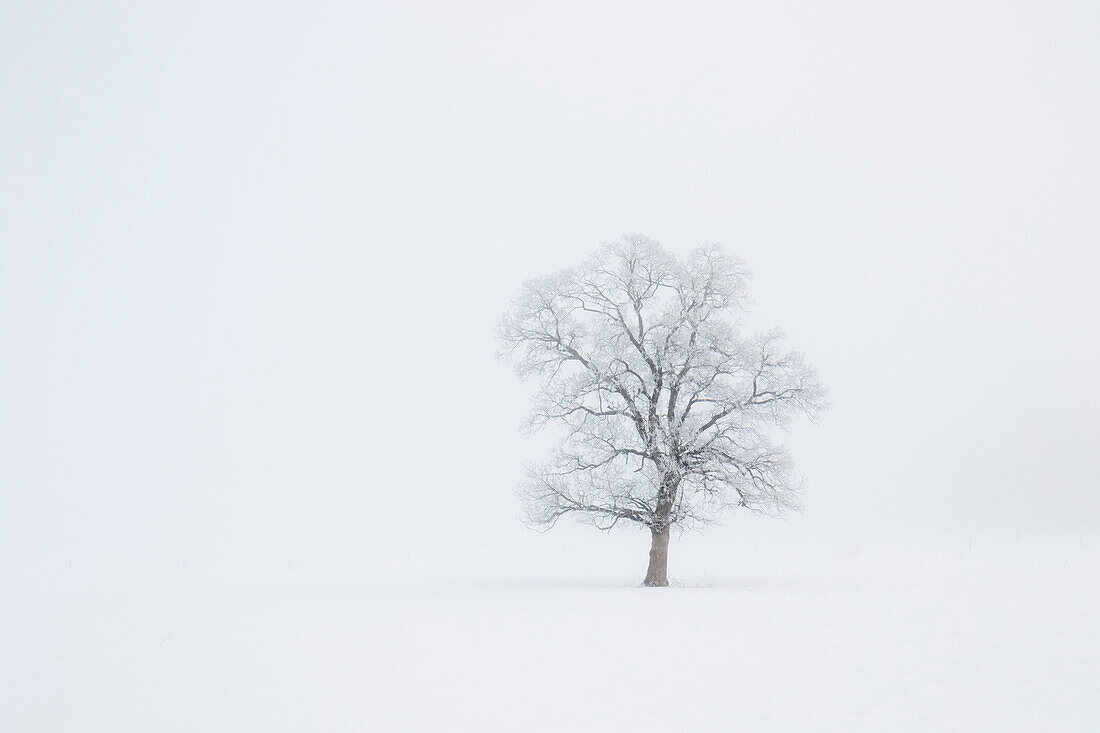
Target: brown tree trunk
x,y
657,574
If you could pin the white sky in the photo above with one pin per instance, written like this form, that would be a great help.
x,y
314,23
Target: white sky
x,y
253,256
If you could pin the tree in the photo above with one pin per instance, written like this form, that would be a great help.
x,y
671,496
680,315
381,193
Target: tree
x,y
666,406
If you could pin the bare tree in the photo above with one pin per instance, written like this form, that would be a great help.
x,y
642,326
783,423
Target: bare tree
x,y
665,406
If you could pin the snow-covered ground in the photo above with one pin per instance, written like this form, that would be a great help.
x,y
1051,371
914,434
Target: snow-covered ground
x,y
1000,640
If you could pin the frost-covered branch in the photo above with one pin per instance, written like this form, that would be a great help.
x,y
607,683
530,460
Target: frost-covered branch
x,y
665,407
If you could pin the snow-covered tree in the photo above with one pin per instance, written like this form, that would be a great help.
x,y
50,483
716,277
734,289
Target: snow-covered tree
x,y
666,406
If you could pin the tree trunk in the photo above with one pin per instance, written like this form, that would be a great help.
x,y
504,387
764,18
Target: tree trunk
x,y
657,575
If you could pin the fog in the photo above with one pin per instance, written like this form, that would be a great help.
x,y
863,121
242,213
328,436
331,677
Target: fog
x,y
253,258
258,458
